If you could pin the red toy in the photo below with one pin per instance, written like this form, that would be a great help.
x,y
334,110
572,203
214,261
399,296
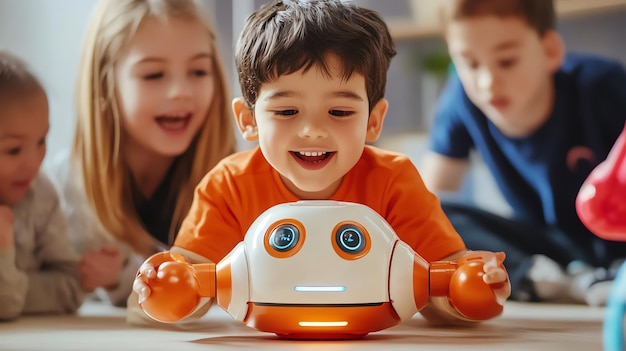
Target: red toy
x,y
601,203
601,206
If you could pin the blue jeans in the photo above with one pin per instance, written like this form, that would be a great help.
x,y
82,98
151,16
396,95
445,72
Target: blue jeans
x,y
482,230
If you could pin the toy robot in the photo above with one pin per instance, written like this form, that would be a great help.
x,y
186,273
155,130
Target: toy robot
x,y
601,206
320,270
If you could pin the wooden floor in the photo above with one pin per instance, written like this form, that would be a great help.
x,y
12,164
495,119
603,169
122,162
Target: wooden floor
x,y
531,327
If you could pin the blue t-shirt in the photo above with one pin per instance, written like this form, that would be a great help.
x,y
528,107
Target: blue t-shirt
x,y
540,175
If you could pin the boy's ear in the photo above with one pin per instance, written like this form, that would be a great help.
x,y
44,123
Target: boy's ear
x,y
245,120
554,50
376,119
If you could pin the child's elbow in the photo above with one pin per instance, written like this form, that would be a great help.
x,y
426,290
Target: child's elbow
x,y
11,307
68,299
75,300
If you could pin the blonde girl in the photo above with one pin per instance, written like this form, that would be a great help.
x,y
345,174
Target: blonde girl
x,y
153,117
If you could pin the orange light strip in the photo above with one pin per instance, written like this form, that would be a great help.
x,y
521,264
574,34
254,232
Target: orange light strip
x,y
323,324
319,288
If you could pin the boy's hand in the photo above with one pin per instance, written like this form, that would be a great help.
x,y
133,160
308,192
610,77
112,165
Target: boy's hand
x,y
101,268
496,276
167,287
480,286
140,286
148,272
6,227
495,273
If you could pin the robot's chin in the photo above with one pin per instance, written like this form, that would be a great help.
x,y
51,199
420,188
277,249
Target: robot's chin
x,y
321,321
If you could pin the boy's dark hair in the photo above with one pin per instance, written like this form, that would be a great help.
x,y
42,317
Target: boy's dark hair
x,y
15,78
285,36
539,14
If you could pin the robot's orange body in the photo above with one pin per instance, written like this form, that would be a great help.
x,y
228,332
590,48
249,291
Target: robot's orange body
x,y
319,269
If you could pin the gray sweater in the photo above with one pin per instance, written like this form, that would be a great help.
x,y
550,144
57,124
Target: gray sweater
x,y
39,273
85,230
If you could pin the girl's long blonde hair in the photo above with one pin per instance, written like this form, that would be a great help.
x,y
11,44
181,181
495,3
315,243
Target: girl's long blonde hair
x,y
98,136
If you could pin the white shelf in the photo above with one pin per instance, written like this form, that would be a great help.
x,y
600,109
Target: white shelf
x,y
565,8
409,29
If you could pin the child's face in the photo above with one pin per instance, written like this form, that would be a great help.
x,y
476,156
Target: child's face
x,y
312,128
165,85
506,69
23,129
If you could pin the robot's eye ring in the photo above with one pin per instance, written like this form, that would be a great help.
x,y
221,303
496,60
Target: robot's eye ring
x,y
351,240
284,238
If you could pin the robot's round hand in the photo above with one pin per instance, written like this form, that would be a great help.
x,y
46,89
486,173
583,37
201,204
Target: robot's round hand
x,y
174,292
470,295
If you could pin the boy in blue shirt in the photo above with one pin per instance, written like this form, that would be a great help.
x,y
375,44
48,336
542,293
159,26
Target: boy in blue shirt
x,y
541,120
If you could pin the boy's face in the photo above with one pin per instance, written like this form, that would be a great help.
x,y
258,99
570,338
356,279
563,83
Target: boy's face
x,y
506,69
165,85
23,130
312,128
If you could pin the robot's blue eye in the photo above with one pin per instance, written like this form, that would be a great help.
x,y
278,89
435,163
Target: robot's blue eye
x,y
350,239
284,237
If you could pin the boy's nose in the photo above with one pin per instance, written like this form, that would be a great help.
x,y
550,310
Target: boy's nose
x,y
313,129
485,80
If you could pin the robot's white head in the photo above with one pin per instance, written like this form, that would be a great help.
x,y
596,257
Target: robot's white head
x,y
319,252
322,269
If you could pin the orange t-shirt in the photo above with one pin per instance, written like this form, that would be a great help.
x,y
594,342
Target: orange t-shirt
x,y
242,186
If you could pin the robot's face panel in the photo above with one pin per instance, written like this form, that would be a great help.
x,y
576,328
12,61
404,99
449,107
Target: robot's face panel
x,y
319,252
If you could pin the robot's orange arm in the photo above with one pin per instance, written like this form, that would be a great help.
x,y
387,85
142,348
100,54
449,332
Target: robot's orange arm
x,y
178,286
461,281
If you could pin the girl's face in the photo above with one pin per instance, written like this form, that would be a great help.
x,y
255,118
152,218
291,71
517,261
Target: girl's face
x,y
165,86
23,129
